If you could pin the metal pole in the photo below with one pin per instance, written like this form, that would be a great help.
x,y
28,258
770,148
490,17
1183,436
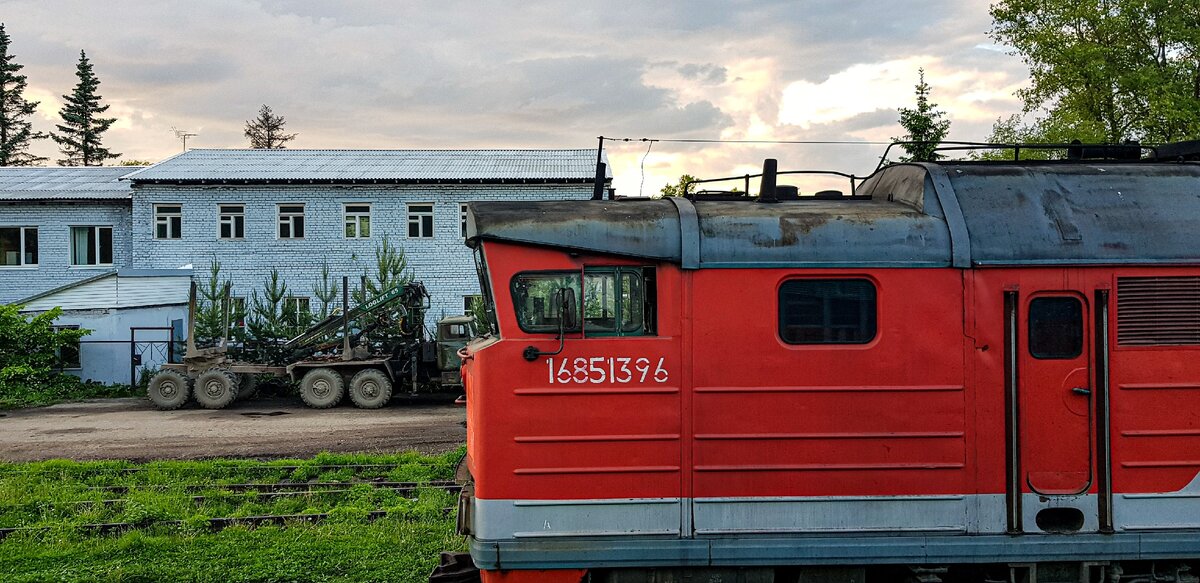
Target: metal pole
x,y
225,318
191,337
598,187
346,318
132,355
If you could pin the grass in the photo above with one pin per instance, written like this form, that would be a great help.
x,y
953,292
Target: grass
x,y
53,499
41,395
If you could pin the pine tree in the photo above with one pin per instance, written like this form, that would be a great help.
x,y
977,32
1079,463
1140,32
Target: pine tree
x,y
924,125
79,135
16,132
266,131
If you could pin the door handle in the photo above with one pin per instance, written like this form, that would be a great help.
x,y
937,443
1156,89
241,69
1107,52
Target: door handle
x,y
1081,391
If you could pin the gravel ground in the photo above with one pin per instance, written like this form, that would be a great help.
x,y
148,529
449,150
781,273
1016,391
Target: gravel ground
x,y
262,428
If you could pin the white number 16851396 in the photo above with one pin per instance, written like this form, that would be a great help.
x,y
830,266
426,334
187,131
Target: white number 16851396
x,y
606,369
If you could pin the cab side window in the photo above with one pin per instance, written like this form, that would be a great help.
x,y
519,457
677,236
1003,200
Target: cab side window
x,y
827,311
613,301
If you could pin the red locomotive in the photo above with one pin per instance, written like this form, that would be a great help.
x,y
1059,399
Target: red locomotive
x,y
959,371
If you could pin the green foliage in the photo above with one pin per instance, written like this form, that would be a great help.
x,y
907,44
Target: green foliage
x,y
16,131
391,272
1047,130
680,188
267,321
174,543
327,289
478,310
266,130
211,306
135,162
923,125
79,134
30,371
1108,69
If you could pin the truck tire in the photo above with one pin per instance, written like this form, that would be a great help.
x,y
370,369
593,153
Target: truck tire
x,y
168,390
370,388
248,388
215,388
322,388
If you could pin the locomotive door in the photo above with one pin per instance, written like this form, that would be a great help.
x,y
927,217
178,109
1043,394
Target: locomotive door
x,y
1054,425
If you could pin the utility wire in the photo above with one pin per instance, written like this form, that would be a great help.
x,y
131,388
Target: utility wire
x,y
720,141
646,155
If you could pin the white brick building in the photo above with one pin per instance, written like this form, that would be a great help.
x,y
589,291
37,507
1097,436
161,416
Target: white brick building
x,y
59,226
293,210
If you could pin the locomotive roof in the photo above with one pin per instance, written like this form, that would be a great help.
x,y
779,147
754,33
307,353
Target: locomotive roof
x,y
918,215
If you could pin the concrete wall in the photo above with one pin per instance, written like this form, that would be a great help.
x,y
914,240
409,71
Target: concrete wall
x,y
54,221
104,354
443,262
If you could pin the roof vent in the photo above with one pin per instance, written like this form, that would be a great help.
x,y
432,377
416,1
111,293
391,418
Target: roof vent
x,y
766,189
1158,311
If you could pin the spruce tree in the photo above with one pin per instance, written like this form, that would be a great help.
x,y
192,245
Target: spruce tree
x,y
16,131
265,132
924,125
79,135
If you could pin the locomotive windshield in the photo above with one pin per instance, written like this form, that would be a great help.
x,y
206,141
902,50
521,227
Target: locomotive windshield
x,y
613,300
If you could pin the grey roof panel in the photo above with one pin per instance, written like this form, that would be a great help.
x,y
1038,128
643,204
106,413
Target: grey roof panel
x,y
318,166
72,183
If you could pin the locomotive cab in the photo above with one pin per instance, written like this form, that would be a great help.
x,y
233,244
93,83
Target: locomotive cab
x,y
957,372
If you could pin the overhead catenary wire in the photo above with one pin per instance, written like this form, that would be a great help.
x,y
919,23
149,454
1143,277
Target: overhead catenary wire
x,y
724,141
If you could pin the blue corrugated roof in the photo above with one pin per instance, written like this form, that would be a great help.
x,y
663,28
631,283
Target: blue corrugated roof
x,y
368,166
72,183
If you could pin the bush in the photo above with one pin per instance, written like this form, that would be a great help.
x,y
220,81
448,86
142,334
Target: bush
x,y
30,371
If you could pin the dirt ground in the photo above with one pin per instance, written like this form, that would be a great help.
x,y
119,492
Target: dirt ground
x,y
261,428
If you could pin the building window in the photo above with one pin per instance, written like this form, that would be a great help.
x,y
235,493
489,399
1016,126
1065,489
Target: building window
x,y
91,246
168,221
18,246
462,217
420,221
469,303
358,221
68,356
296,311
232,221
291,221
827,311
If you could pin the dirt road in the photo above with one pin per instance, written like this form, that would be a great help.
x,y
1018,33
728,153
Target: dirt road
x,y
267,428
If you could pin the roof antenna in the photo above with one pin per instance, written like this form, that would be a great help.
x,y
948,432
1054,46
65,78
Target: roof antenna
x,y
601,172
766,188
183,135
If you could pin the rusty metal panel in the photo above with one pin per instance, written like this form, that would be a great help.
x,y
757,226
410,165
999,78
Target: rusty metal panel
x,y
1079,214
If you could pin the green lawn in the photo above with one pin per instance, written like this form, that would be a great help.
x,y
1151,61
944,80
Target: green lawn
x,y
170,504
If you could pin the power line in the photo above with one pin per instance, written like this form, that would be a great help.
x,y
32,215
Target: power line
x,y
720,141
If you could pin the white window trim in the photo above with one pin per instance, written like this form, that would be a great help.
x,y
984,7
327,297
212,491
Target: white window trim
x,y
154,221
432,214
21,252
279,217
370,219
219,223
462,220
71,247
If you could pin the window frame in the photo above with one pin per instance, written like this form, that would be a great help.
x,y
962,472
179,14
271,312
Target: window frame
x,y
779,305
1081,341
462,218
96,240
357,215
233,223
78,346
165,218
291,220
419,217
22,246
643,329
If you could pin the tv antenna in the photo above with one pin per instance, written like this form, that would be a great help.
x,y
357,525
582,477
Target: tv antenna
x,y
183,135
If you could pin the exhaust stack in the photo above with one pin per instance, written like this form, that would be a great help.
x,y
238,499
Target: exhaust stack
x,y
766,188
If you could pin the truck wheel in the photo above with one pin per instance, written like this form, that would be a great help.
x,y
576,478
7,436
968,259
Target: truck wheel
x,y
322,388
216,388
370,388
248,389
168,390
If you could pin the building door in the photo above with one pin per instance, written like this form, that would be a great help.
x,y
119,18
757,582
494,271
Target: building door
x,y
1054,412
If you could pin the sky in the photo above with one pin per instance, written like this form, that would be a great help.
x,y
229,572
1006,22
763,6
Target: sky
x,y
525,74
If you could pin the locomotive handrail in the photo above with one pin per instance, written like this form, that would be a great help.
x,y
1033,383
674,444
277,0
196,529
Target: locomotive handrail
x,y
746,177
